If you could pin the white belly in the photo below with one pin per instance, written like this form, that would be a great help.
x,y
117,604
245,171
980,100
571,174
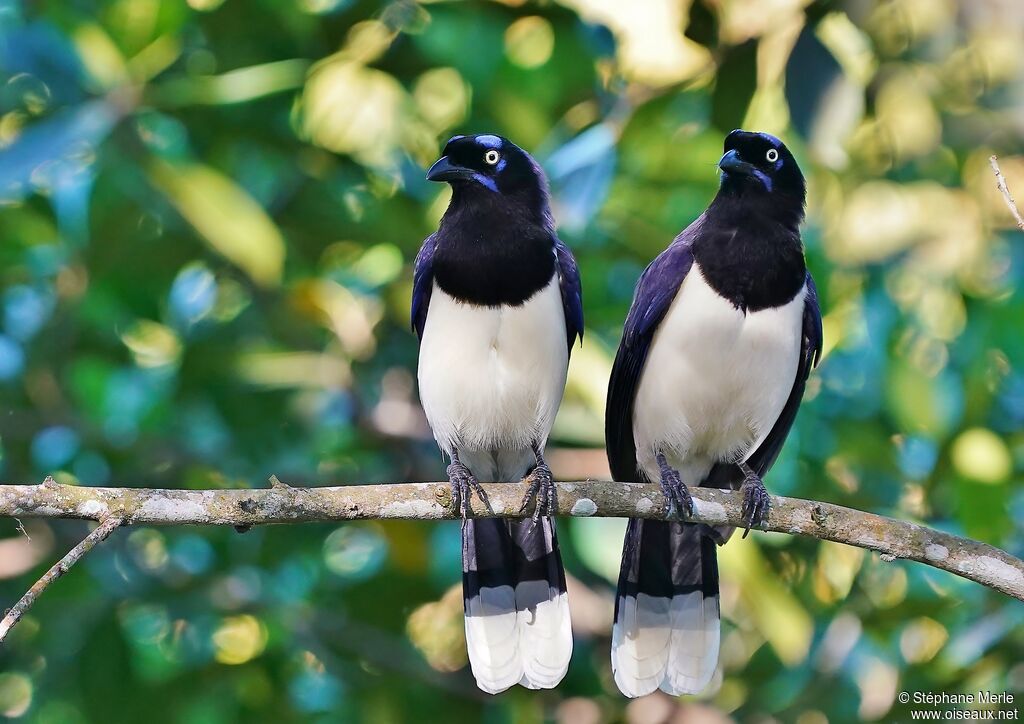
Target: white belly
x,y
715,380
491,378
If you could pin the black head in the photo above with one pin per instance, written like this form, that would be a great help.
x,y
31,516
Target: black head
x,y
489,163
759,163
496,240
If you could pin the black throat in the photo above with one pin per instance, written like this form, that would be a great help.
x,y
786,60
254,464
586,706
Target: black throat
x,y
494,249
749,249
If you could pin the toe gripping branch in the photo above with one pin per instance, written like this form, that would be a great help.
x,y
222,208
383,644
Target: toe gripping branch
x,y
464,483
542,487
677,495
756,502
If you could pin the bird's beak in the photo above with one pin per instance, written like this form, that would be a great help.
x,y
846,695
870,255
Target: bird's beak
x,y
732,163
444,170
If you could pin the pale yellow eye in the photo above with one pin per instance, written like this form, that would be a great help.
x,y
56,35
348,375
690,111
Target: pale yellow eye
x,y
492,157
772,156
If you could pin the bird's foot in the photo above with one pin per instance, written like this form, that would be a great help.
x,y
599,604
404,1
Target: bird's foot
x,y
677,495
756,502
464,483
542,487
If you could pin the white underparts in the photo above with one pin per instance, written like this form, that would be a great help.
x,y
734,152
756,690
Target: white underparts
x,y
491,378
715,380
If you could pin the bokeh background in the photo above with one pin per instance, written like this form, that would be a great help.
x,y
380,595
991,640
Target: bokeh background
x,y
208,215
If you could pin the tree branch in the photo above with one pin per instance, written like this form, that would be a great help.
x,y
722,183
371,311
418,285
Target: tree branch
x,y
61,567
1005,191
281,503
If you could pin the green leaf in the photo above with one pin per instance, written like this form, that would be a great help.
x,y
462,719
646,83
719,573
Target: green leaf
x,y
734,87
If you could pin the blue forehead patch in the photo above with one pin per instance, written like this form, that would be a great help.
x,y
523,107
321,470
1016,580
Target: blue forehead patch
x,y
771,139
488,141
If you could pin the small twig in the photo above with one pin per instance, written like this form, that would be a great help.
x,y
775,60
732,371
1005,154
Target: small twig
x,y
59,569
275,482
1005,191
21,529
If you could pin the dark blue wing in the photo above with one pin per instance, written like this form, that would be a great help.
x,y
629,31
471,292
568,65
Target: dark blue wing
x,y
814,339
572,292
654,294
422,283
810,354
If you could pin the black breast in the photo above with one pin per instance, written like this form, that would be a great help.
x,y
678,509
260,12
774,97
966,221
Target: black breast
x,y
493,260
755,264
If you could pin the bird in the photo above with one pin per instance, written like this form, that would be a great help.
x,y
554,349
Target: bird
x,y
722,333
497,306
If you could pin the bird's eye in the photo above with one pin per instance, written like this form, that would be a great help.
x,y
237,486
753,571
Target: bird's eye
x,y
772,156
492,157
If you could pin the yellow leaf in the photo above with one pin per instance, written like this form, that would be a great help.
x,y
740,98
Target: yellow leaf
x,y
226,216
981,455
239,639
152,344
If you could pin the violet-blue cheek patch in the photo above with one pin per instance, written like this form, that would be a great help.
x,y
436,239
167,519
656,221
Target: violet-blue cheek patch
x,y
764,179
760,175
485,181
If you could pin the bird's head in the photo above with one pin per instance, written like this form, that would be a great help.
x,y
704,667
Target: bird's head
x,y
759,163
490,164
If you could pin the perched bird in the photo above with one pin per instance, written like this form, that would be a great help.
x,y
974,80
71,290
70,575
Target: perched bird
x,y
721,336
497,305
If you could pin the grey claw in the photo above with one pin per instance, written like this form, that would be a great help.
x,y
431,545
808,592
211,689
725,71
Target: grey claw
x,y
542,487
464,483
677,495
756,502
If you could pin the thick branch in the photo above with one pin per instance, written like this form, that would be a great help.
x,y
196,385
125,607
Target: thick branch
x,y
61,567
432,501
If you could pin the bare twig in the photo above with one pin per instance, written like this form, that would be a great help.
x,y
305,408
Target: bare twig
x,y
1005,191
59,569
432,501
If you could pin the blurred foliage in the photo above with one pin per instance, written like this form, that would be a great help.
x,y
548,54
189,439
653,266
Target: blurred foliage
x,y
209,212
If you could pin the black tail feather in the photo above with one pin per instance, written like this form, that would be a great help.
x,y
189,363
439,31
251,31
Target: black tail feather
x,y
512,568
666,631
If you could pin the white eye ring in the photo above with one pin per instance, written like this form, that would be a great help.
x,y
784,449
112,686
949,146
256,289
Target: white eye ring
x,y
492,157
772,155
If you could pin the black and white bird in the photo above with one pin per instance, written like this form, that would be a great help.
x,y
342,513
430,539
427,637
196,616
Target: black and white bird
x,y
497,305
721,336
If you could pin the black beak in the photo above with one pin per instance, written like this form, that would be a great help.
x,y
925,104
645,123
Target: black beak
x,y
732,163
444,170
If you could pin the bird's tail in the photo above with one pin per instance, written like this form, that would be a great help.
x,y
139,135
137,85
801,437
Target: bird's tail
x,y
517,612
666,630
